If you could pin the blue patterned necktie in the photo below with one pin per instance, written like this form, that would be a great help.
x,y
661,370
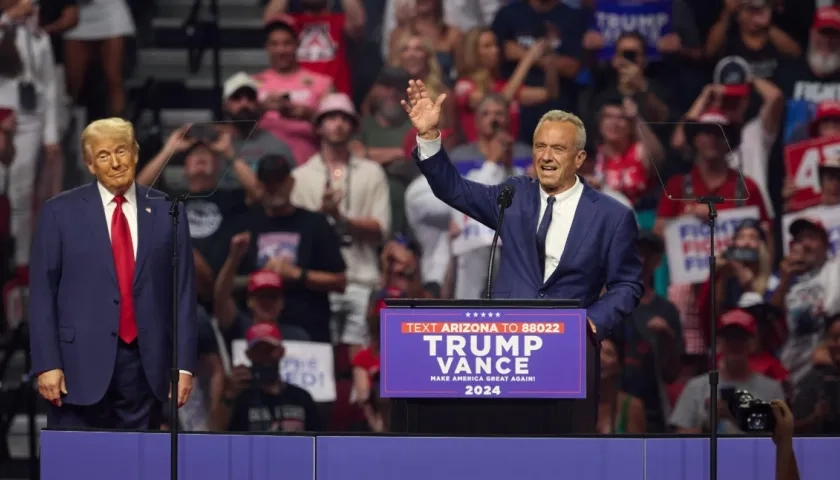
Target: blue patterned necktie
x,y
542,232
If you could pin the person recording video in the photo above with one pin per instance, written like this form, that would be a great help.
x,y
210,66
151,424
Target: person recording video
x,y
744,277
256,398
817,403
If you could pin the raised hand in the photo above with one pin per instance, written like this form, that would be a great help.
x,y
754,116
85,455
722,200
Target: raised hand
x,y
423,111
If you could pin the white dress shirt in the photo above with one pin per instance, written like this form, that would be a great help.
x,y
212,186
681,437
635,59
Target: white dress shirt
x,y
129,208
565,206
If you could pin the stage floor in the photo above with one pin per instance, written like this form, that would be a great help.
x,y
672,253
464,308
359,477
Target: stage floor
x,y
109,455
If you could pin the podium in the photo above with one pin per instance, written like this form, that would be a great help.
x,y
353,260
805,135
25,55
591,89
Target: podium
x,y
488,367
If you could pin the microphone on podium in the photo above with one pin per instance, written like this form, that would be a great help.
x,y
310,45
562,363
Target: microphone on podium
x,y
505,199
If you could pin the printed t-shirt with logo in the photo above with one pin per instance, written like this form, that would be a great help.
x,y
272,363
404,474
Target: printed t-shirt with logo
x,y
304,87
308,241
322,47
292,410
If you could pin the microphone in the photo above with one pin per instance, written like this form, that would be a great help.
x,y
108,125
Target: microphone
x,y
504,200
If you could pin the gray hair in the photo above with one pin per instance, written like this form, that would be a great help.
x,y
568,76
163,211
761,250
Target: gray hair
x,y
561,116
493,97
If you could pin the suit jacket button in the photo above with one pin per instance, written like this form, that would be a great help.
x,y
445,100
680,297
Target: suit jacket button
x,y
542,294
113,334
116,301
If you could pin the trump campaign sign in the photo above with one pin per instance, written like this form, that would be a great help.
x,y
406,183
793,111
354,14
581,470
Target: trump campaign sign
x,y
687,242
830,218
483,352
802,163
473,234
308,365
649,18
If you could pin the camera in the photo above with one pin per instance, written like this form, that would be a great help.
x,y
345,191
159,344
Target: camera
x,y
741,254
203,133
751,414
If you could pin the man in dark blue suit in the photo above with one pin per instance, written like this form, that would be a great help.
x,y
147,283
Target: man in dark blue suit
x,y
561,238
100,306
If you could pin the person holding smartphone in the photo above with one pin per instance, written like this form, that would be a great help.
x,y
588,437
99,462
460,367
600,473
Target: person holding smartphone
x,y
817,403
808,292
744,277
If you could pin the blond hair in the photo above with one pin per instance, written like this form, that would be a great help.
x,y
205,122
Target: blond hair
x,y
434,79
108,128
566,117
469,64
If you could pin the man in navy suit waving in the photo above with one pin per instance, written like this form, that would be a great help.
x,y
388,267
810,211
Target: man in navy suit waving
x,y
561,238
100,305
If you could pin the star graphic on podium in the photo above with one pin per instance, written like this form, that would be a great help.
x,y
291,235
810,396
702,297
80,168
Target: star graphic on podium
x,y
475,314
467,314
498,314
483,314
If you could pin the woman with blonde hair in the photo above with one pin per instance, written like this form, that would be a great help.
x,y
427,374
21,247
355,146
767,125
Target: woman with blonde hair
x,y
416,56
424,18
744,278
479,74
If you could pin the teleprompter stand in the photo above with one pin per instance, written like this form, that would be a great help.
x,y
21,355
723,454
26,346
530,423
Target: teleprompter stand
x,y
712,202
490,416
174,374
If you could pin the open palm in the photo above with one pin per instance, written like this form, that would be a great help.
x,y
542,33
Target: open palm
x,y
423,111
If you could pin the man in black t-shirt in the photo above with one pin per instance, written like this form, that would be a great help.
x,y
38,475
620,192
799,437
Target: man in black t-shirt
x,y
256,399
298,245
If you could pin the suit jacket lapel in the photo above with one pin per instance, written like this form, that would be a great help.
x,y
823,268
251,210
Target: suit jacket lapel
x,y
579,231
529,226
95,216
145,224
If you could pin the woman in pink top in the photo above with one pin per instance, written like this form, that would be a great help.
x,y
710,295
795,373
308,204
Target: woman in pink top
x,y
289,93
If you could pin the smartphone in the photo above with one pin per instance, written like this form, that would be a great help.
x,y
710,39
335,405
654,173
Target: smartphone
x,y
630,56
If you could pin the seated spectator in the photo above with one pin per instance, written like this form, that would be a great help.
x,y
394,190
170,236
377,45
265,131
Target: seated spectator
x,y
256,399
415,55
628,150
383,128
652,341
288,92
618,412
744,279
745,28
690,414
480,73
424,18
210,377
808,291
492,139
817,403
298,245
324,34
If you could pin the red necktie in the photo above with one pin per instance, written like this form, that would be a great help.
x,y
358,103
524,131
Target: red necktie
x,y
123,249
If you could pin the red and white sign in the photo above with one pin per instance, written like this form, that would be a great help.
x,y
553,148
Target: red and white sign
x,y
802,162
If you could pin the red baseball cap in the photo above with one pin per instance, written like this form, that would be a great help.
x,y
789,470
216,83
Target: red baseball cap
x,y
826,18
738,318
825,110
733,74
264,332
264,280
806,223
283,21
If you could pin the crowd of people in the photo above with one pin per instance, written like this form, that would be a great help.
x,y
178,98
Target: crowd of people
x,y
306,209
